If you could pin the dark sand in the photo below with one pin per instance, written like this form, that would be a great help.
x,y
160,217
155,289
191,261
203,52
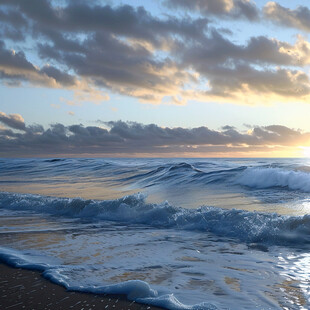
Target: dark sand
x,y
27,289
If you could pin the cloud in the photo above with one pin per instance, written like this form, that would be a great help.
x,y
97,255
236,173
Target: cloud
x,y
130,138
244,73
123,20
15,68
234,9
96,50
213,57
61,77
128,69
86,93
14,121
55,106
247,85
13,25
120,51
298,18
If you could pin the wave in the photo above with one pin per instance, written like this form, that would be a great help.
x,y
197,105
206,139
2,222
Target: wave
x,y
180,174
183,166
250,227
136,290
275,177
54,160
147,173
262,177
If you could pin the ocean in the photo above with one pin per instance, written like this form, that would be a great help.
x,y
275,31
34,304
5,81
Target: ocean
x,y
177,233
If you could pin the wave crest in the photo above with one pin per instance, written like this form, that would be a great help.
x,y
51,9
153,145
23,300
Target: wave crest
x,y
252,227
275,177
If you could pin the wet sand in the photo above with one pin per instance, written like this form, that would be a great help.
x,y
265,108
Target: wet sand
x,y
27,289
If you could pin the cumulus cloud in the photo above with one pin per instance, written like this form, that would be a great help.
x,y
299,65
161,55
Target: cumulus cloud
x,y
223,8
245,73
216,50
130,138
95,49
298,18
15,68
124,20
14,121
247,85
120,50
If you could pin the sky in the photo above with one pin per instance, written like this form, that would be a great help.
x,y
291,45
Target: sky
x,y
161,78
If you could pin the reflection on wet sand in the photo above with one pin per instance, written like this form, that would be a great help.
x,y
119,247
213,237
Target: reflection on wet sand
x,y
233,283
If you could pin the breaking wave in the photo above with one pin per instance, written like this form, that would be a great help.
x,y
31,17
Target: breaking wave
x,y
252,227
275,177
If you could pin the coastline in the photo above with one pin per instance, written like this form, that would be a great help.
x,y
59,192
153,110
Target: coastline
x,y
28,289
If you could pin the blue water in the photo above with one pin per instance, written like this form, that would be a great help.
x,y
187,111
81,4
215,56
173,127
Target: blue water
x,y
179,233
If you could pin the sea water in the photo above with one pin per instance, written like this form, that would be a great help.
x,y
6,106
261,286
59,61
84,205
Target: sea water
x,y
177,233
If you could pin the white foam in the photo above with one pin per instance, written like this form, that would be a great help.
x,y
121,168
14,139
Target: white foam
x,y
136,290
178,267
274,177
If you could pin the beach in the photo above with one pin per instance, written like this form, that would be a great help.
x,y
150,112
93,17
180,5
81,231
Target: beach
x,y
27,289
173,233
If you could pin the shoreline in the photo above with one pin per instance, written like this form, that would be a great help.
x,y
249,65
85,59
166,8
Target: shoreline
x,y
28,289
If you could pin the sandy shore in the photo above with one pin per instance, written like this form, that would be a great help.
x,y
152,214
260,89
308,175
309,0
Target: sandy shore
x,y
26,289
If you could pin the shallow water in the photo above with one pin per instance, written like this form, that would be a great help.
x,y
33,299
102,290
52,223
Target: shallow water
x,y
182,234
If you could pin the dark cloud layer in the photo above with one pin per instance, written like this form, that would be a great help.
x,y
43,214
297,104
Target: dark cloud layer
x,y
130,138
